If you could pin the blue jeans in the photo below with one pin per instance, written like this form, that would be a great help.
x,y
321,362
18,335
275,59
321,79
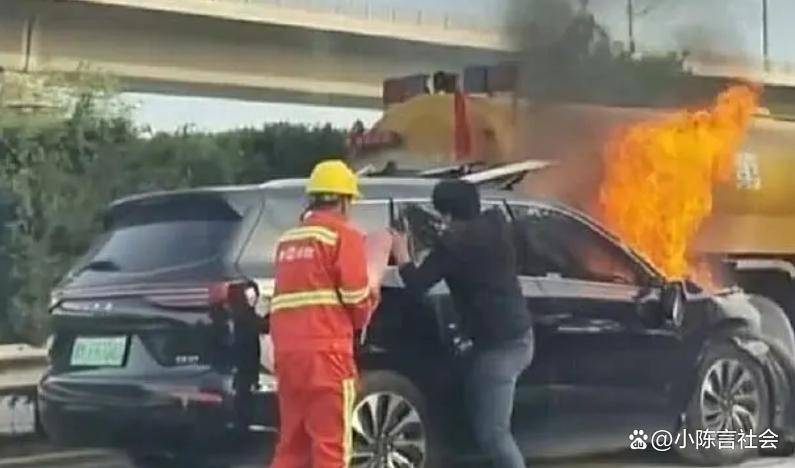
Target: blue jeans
x,y
490,391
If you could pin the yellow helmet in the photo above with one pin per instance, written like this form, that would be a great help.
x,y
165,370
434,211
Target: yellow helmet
x,y
333,177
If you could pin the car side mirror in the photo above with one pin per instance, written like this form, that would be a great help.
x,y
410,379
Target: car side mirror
x,y
672,299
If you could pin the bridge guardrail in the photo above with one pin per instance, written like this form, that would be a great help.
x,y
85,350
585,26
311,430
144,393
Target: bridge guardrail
x,y
363,9
21,366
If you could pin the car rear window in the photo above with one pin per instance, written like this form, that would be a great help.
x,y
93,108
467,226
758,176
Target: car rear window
x,y
163,234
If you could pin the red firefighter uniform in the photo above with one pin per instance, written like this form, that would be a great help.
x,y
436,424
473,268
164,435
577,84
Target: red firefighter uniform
x,y
321,297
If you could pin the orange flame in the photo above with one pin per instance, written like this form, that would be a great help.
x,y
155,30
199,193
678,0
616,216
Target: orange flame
x,y
659,176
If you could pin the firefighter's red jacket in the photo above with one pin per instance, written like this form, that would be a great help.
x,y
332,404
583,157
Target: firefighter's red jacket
x,y
322,292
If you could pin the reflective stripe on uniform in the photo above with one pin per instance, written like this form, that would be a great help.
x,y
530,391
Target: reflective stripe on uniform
x,y
318,233
348,400
322,297
352,297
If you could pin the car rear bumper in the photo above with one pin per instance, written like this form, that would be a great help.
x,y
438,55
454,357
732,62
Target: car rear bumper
x,y
80,413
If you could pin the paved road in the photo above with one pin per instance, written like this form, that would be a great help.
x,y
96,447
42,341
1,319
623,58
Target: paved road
x,y
98,459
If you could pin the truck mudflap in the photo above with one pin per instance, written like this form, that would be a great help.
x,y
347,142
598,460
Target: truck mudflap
x,y
779,368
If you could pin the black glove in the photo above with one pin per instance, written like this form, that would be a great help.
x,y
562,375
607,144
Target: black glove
x,y
426,226
461,345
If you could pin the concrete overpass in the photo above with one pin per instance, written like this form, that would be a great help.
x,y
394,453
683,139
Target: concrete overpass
x,y
332,52
252,49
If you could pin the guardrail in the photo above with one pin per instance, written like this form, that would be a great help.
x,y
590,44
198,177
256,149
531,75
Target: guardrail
x,y
21,366
365,9
367,17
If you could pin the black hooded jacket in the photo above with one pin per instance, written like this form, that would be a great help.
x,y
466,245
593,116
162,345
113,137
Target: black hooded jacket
x,y
477,259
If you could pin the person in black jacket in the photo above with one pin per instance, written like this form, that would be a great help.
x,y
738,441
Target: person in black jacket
x,y
477,259
248,327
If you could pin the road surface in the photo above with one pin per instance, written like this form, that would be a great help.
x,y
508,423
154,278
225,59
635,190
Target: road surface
x,y
100,459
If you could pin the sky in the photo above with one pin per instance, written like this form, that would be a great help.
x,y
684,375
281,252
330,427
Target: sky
x,y
728,28
170,113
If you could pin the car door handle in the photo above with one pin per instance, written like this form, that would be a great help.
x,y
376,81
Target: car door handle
x,y
552,319
603,326
580,330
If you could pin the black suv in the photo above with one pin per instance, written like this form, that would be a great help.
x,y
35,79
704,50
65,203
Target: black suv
x,y
145,357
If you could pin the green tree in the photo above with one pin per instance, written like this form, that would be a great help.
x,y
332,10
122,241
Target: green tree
x,y
281,150
47,167
61,167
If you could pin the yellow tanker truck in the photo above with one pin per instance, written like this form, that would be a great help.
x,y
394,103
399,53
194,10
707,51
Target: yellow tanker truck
x,y
750,236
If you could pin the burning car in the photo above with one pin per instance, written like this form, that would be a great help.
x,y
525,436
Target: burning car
x,y
699,183
142,357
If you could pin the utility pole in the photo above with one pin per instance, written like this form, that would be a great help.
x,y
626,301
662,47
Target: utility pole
x,y
631,26
765,35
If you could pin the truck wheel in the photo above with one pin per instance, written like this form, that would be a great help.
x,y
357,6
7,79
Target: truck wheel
x,y
731,394
390,424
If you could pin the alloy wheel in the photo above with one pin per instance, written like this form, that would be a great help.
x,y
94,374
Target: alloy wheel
x,y
730,398
388,432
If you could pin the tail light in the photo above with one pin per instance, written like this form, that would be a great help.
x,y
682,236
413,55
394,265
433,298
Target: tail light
x,y
231,295
189,395
234,295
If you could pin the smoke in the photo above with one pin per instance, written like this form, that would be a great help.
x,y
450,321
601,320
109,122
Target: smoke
x,y
578,89
557,41
538,21
717,32
714,44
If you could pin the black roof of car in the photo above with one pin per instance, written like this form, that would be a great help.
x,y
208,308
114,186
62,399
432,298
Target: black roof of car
x,y
410,188
372,187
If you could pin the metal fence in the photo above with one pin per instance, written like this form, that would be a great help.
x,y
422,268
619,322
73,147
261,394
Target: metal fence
x,y
21,366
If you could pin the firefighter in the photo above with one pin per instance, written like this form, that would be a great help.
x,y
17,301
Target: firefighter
x,y
321,298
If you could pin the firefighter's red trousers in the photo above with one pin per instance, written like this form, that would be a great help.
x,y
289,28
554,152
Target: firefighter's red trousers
x,y
316,396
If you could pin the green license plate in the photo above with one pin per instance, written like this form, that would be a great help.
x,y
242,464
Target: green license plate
x,y
99,351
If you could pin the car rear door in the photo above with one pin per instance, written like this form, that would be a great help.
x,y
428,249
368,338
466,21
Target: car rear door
x,y
596,307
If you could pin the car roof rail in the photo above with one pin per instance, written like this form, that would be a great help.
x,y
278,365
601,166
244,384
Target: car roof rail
x,y
456,170
506,177
391,169
367,170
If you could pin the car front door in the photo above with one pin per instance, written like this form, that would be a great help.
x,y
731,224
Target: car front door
x,y
595,306
533,402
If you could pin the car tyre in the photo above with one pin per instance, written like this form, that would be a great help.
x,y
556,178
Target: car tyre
x,y
782,450
390,421
731,393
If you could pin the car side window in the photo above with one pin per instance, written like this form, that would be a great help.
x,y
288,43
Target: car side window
x,y
370,215
424,224
495,204
282,211
551,243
